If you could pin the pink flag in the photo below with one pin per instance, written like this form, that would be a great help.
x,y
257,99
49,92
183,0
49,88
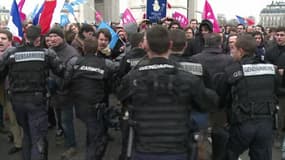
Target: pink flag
x,y
20,5
128,17
180,18
98,17
209,14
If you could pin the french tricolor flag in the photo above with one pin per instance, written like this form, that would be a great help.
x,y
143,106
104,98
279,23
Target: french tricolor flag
x,y
15,24
50,14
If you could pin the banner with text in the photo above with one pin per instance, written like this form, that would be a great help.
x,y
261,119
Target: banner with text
x,y
156,10
182,19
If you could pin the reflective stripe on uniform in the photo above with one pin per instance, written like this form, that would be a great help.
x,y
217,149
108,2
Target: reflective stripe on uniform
x,y
29,56
258,69
155,66
91,69
194,68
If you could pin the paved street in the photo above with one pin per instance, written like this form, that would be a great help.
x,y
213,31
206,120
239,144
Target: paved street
x,y
112,152
56,150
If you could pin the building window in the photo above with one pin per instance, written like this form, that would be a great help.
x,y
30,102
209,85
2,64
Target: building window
x,y
99,1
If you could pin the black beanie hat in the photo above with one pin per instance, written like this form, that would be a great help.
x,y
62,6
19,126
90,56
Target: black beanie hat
x,y
58,31
206,23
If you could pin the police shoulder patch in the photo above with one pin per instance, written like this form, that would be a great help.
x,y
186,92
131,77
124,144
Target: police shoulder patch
x,y
258,69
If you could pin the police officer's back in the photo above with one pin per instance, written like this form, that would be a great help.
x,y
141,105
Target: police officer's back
x,y
88,78
249,85
27,68
159,96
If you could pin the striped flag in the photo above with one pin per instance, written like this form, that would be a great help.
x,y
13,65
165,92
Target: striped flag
x,y
50,14
37,15
15,24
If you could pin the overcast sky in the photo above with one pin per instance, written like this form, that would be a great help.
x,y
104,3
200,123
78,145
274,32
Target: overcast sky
x,y
230,8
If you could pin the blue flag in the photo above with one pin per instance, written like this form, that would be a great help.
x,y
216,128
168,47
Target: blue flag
x,y
156,10
241,20
36,17
115,36
69,8
15,24
64,20
77,2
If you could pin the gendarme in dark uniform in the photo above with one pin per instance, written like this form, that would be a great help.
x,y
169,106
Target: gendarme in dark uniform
x,y
249,85
88,79
159,95
27,68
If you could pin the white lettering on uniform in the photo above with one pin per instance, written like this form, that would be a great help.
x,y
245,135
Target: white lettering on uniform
x,y
91,69
133,62
155,66
258,69
29,56
194,68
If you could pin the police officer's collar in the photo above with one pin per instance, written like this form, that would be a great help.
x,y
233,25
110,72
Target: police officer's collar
x,y
248,58
212,50
157,60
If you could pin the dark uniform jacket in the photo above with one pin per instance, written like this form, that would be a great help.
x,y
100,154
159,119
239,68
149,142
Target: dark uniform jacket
x,y
88,78
130,60
160,95
28,68
249,87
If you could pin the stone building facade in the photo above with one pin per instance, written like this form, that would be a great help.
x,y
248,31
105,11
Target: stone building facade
x,y
273,15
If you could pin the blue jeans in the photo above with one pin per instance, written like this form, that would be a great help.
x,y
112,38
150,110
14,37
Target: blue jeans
x,y
68,126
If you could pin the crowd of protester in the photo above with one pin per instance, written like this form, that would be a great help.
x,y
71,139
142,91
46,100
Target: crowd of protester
x,y
76,40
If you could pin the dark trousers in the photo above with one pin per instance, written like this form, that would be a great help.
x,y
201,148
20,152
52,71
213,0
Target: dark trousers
x,y
1,116
96,138
255,135
31,114
144,156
